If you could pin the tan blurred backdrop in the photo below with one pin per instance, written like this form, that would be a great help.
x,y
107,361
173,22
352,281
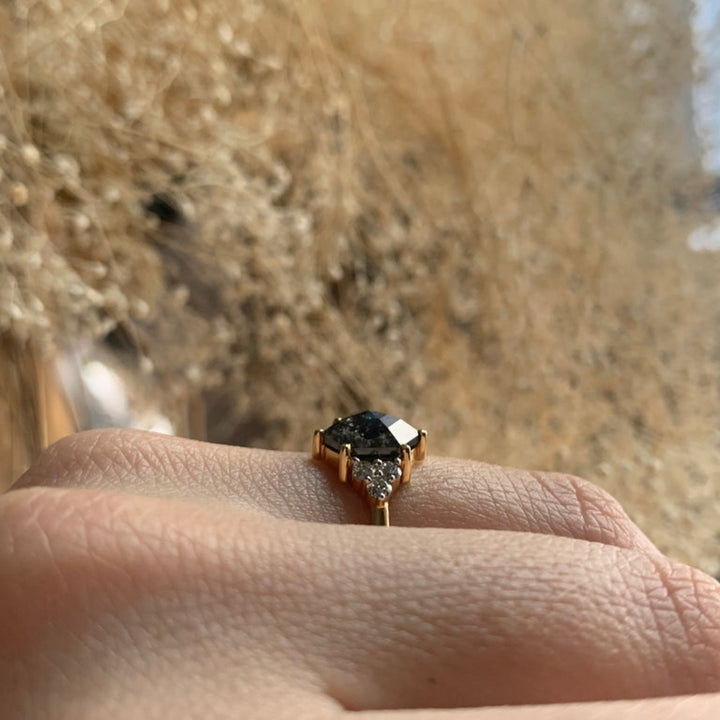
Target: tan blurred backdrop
x,y
473,215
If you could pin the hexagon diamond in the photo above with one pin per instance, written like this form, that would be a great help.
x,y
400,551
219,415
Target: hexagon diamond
x,y
371,434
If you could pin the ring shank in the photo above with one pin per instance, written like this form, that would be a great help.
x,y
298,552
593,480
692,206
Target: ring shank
x,y
381,515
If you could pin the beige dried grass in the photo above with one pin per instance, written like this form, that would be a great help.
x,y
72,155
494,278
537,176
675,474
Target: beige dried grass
x,y
470,214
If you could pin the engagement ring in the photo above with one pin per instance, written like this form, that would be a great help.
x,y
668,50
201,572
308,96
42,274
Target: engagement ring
x,y
375,452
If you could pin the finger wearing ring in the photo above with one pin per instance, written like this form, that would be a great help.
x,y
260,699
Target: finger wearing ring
x,y
373,451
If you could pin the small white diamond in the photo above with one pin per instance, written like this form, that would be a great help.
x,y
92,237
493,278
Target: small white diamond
x,y
362,470
378,475
379,490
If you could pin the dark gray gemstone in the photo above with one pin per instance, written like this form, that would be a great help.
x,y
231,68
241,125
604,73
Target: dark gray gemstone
x,y
371,435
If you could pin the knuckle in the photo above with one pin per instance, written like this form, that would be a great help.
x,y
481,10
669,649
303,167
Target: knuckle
x,y
78,459
600,509
62,544
63,561
64,540
38,523
601,517
686,604
36,528
18,512
70,458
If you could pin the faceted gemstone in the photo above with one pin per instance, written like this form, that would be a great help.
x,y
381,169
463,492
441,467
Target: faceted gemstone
x,y
378,475
371,435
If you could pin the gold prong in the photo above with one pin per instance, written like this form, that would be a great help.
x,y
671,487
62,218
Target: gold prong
x,y
344,462
318,444
380,514
405,464
337,420
421,449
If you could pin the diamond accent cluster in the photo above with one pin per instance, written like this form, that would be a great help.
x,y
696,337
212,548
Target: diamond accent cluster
x,y
378,476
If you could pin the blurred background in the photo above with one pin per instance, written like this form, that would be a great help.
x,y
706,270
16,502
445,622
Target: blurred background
x,y
500,221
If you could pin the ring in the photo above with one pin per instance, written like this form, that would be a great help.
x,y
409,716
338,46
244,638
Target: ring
x,y
375,452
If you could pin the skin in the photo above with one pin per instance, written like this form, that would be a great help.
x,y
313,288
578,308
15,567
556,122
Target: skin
x,y
144,576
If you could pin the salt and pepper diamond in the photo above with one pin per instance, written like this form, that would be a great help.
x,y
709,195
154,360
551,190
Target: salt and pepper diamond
x,y
372,434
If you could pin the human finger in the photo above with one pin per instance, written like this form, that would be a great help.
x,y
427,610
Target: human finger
x,y
365,618
444,492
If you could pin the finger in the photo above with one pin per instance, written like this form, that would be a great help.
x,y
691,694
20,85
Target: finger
x,y
444,492
97,624
495,619
372,619
693,707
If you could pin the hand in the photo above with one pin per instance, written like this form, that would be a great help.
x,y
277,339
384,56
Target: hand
x,y
144,576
